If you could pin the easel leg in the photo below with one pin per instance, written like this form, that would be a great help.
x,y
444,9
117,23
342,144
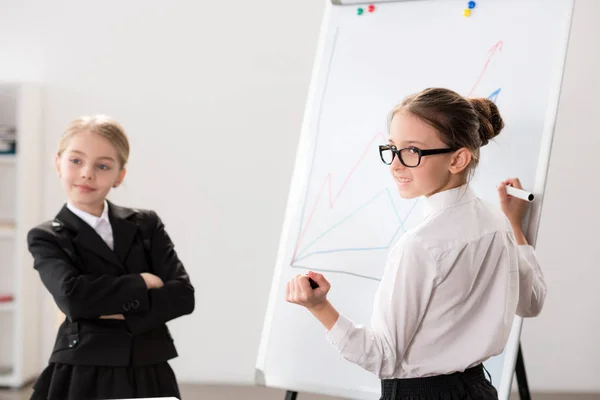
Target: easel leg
x,y
291,395
522,377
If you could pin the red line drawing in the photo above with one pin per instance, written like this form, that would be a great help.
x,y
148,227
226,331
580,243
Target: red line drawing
x,y
495,48
333,200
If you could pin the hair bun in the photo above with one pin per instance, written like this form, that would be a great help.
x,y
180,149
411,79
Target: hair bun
x,y
490,121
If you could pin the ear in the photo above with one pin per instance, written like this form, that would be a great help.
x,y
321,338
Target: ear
x,y
57,164
120,177
460,160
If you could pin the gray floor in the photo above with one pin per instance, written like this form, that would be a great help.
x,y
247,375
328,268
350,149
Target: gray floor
x,y
213,392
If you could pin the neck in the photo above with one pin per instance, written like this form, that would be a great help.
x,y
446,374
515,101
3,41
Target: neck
x,y
450,184
94,209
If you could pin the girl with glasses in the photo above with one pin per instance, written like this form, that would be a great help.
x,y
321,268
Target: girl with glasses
x,y
453,284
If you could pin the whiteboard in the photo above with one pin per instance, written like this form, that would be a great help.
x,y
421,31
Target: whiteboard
x,y
343,211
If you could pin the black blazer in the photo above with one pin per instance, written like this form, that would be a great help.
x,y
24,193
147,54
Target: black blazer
x,y
87,279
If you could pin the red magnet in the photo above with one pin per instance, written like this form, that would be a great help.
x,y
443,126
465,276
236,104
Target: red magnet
x,y
371,8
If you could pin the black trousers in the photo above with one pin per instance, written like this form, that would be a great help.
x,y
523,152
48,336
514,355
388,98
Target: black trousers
x,y
468,385
82,382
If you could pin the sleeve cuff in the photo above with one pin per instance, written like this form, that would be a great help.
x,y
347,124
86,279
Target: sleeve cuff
x,y
339,332
140,299
526,248
528,253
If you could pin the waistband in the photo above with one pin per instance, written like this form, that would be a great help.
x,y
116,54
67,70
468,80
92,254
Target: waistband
x,y
433,384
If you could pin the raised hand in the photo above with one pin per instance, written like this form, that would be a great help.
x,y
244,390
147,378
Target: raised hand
x,y
298,290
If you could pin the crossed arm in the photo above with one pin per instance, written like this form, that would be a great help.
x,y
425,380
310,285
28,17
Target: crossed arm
x,y
161,296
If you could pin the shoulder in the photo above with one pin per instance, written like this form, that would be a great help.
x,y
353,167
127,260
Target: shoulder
x,y
497,219
49,239
147,220
47,229
140,216
145,215
458,226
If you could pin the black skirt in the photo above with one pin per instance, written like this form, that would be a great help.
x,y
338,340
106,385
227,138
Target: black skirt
x,y
468,385
82,382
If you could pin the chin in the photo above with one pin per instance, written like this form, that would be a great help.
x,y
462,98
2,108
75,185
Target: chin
x,y
408,194
85,200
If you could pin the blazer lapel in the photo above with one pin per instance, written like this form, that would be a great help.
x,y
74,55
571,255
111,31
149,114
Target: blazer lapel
x,y
124,231
86,236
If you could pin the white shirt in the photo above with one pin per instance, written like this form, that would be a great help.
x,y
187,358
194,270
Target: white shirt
x,y
449,293
100,224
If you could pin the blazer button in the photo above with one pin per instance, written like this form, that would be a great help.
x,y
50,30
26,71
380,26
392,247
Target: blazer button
x,y
135,304
72,343
56,226
126,306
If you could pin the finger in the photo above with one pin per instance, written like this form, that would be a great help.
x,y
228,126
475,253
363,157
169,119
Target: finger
x,y
287,291
515,182
304,286
502,193
319,278
298,289
292,291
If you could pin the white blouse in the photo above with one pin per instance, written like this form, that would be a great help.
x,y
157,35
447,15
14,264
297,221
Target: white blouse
x,y
100,224
449,293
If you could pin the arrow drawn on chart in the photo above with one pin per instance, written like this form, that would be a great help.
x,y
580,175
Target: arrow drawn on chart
x,y
494,96
333,200
493,51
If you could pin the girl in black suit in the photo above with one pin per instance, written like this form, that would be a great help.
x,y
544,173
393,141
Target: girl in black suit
x,y
113,272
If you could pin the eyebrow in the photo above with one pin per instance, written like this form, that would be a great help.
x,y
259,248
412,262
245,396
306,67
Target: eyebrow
x,y
410,142
99,158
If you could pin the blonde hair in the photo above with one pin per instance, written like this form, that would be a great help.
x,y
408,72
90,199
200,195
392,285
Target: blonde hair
x,y
101,125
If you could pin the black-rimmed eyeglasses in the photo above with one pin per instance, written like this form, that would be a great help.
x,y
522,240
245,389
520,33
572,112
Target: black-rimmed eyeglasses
x,y
410,156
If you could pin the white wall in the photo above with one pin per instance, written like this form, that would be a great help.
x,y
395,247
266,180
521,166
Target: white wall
x,y
212,95
561,346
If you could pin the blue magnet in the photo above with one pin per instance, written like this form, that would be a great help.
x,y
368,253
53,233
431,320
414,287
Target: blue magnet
x,y
471,4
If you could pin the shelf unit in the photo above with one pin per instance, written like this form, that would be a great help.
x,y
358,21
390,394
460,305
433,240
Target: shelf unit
x,y
8,159
20,210
7,232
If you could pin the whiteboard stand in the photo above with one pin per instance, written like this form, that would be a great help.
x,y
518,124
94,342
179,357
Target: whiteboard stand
x,y
522,376
289,395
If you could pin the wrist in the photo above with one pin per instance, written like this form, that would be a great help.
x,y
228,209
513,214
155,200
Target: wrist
x,y
325,313
318,308
515,224
519,235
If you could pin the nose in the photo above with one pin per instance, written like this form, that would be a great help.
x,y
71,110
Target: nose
x,y
396,164
87,173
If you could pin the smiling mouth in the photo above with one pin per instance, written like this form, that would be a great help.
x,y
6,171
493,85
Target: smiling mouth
x,y
403,180
85,188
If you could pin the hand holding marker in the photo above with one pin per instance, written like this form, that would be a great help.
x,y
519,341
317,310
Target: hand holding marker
x,y
519,193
